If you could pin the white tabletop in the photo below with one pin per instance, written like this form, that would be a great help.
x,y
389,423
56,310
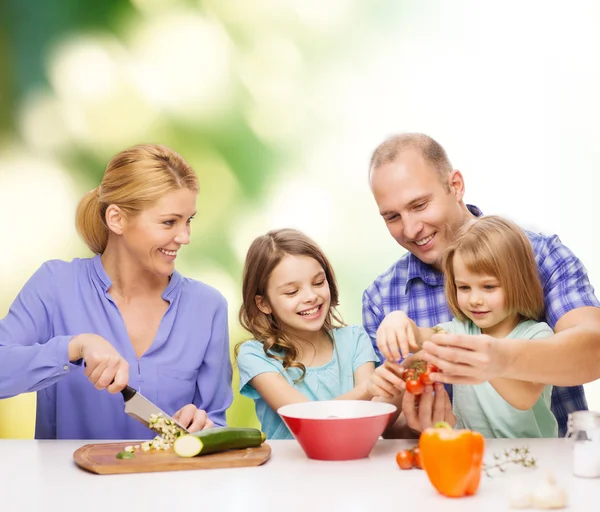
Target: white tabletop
x,y
38,475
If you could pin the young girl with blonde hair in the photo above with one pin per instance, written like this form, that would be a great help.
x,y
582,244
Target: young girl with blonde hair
x,y
492,287
301,350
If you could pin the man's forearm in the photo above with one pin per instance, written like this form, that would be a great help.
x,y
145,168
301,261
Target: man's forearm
x,y
569,358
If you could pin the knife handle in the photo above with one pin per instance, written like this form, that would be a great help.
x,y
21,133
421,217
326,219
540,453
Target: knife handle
x,y
128,393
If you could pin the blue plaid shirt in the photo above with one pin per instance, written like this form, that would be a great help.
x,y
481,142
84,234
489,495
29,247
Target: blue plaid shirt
x,y
418,289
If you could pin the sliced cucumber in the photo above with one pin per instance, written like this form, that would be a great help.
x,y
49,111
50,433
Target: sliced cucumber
x,y
188,445
126,455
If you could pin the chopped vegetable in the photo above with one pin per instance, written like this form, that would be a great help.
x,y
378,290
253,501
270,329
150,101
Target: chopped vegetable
x,y
125,455
166,429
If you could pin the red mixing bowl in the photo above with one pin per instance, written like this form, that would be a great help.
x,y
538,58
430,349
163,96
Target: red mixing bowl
x,y
337,429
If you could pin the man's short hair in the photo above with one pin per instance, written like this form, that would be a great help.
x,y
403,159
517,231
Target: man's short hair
x,y
431,150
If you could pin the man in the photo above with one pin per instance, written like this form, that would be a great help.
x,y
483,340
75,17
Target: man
x,y
420,198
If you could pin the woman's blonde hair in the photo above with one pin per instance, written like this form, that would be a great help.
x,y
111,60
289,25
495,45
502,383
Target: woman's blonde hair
x,y
497,247
133,180
264,254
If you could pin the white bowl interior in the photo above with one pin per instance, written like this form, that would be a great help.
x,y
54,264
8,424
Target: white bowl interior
x,y
336,409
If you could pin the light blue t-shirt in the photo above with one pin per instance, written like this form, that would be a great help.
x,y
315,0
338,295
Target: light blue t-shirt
x,y
480,407
352,348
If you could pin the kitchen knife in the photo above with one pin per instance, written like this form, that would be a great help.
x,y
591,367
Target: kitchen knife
x,y
140,408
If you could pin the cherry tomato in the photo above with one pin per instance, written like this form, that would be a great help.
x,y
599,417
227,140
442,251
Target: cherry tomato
x,y
414,387
405,459
425,378
432,368
417,457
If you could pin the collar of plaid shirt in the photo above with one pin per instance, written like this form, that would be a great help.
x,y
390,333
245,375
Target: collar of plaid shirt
x,y
419,270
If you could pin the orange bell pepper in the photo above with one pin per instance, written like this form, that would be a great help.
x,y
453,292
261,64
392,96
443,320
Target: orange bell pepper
x,y
452,459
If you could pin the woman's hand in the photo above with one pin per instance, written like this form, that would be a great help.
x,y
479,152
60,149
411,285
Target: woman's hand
x,y
431,406
396,336
104,366
192,418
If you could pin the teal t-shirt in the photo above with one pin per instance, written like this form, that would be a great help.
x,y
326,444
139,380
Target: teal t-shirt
x,y
480,407
352,348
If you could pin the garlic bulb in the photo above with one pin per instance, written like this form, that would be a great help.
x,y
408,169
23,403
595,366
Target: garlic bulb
x,y
549,495
519,496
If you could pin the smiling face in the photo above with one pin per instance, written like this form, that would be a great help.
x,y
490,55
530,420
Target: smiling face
x,y
154,236
482,299
298,295
419,211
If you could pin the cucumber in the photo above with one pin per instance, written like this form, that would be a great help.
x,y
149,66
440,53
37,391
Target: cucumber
x,y
216,440
125,455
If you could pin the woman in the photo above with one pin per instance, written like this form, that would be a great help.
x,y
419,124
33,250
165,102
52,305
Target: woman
x,y
125,316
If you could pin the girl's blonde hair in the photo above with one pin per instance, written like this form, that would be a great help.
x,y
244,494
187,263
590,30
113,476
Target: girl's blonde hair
x,y
263,256
497,247
133,180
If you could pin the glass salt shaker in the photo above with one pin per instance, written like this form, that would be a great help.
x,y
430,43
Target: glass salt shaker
x,y
584,429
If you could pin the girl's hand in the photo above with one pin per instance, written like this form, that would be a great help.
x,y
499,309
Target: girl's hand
x,y
386,381
396,336
192,418
104,366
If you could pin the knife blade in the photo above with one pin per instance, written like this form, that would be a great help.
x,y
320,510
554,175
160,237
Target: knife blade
x,y
142,409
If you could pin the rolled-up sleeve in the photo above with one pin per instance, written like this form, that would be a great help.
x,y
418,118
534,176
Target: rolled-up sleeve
x,y
565,281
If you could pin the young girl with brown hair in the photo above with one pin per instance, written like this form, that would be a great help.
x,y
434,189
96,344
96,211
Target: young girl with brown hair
x,y
492,287
301,350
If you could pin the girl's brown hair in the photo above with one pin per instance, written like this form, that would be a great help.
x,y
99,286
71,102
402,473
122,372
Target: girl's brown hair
x,y
133,180
497,247
263,256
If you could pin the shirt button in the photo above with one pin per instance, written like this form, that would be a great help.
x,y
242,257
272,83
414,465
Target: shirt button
x,y
65,367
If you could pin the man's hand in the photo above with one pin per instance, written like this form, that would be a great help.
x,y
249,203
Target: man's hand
x,y
464,359
429,409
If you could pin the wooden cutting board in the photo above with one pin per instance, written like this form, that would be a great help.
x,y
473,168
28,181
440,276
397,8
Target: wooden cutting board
x,y
102,459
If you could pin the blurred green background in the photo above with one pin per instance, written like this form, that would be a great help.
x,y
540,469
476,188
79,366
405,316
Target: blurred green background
x,y
233,86
278,104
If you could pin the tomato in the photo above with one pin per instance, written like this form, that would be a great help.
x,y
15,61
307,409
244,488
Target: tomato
x,y
417,457
408,374
425,378
431,368
414,387
405,459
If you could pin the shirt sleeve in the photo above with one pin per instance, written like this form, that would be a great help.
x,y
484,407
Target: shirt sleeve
x,y
214,378
364,352
565,281
31,357
253,361
372,316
